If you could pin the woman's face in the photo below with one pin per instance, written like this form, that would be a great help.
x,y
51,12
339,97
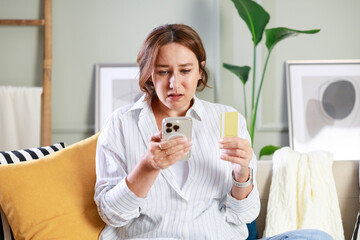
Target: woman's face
x,y
175,79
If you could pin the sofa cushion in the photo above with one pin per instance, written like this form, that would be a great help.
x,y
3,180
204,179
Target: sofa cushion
x,y
10,157
52,198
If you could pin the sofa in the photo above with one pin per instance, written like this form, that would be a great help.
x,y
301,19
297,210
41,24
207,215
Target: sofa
x,y
346,176
57,190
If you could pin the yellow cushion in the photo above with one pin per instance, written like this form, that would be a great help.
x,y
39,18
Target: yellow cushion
x,y
53,197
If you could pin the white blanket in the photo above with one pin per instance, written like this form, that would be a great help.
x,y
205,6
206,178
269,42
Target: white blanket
x,y
20,117
303,194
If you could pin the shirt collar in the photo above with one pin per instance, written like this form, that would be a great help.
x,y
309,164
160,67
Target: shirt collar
x,y
196,110
139,104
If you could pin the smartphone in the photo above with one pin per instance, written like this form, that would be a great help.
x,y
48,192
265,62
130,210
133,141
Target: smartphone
x,y
174,127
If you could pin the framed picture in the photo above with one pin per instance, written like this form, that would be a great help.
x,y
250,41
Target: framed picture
x,y
324,107
116,85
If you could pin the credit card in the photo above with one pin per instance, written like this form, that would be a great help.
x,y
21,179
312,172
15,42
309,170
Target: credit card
x,y
229,124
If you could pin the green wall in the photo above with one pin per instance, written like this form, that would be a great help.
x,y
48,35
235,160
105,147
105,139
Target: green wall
x,y
339,38
87,32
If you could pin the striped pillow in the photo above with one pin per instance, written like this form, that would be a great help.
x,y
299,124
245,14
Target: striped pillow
x,y
17,156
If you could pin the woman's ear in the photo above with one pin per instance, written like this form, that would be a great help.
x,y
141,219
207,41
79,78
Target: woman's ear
x,y
202,65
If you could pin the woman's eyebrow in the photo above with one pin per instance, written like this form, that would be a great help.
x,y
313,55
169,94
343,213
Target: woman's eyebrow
x,y
180,65
185,64
162,65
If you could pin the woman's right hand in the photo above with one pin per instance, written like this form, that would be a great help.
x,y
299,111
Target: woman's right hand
x,y
161,155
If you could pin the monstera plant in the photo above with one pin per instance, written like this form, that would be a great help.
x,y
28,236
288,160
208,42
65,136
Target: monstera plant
x,y
256,19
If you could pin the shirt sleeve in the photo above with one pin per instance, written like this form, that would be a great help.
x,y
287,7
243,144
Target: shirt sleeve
x,y
117,205
245,210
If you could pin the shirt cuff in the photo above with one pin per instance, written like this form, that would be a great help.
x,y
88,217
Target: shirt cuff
x,y
125,201
245,210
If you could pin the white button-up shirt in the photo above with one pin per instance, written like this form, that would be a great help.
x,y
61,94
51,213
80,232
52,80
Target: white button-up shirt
x,y
202,209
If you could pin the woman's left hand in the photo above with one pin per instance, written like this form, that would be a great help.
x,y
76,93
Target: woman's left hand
x,y
239,152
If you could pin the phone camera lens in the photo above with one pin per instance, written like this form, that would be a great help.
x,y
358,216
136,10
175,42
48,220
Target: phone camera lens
x,y
176,127
168,130
168,125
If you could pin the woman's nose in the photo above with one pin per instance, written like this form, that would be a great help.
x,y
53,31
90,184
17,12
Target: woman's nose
x,y
174,81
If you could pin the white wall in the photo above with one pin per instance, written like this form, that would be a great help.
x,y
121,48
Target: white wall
x,y
86,32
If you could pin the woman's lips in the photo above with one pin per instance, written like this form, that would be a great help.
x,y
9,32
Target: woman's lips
x,y
175,96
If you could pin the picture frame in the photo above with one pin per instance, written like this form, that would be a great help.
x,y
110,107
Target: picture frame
x,y
324,107
116,85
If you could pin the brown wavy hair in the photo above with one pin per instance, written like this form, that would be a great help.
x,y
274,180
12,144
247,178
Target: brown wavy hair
x,y
160,36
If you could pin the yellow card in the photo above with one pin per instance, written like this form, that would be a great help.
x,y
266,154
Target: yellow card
x,y
229,124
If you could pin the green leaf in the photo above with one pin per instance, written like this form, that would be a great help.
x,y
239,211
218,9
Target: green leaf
x,y
255,17
275,35
268,150
241,72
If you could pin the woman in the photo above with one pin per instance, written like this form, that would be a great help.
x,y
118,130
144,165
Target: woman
x,y
142,189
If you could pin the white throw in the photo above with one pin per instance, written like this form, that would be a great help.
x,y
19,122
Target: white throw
x,y
20,117
303,194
